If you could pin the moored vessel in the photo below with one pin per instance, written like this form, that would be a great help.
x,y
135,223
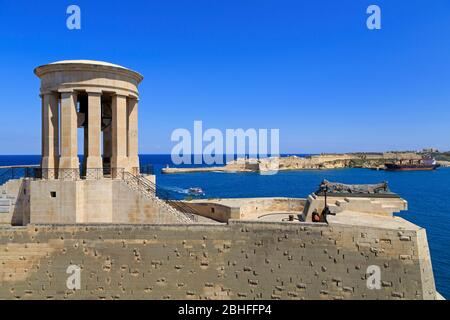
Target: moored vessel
x,y
425,164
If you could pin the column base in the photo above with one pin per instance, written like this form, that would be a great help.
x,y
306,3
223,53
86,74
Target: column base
x,y
118,167
49,168
133,165
69,168
94,168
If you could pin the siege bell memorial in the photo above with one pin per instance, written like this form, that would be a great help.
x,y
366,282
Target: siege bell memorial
x,y
107,218
101,98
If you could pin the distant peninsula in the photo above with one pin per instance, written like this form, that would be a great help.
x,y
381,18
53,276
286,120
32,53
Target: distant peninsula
x,y
366,160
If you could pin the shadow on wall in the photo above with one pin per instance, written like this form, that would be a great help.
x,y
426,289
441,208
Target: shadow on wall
x,y
18,191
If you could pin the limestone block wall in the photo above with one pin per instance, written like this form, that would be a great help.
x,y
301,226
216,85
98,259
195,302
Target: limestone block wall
x,y
55,201
92,201
240,260
15,202
215,211
96,201
245,208
129,206
256,207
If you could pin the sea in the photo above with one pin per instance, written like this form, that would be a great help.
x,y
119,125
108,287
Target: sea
x,y
427,193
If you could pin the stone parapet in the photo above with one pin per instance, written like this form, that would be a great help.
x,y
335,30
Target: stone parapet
x,y
239,260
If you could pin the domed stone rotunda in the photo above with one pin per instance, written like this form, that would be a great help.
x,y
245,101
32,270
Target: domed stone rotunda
x,y
97,102
101,98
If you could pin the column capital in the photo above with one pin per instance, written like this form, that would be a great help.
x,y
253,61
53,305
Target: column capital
x,y
66,90
47,93
93,92
133,98
120,94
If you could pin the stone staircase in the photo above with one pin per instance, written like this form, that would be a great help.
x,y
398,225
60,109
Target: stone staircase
x,y
7,203
383,206
146,188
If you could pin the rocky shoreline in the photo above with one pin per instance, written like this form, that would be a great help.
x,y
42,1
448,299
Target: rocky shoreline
x,y
445,164
375,161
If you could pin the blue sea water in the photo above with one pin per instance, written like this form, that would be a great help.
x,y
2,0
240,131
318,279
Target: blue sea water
x,y
427,193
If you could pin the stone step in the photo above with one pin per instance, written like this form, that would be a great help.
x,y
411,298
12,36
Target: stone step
x,y
389,207
341,203
5,202
182,217
334,208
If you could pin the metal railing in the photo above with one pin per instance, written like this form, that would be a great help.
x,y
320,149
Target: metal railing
x,y
36,172
150,189
178,204
16,172
147,169
137,182
72,174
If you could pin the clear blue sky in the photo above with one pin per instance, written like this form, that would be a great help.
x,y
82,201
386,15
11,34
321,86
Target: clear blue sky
x,y
310,68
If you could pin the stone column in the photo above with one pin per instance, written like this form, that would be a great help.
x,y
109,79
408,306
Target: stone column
x,y
93,157
68,163
50,135
132,152
119,161
107,147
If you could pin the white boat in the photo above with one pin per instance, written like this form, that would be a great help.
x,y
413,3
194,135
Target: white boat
x,y
196,191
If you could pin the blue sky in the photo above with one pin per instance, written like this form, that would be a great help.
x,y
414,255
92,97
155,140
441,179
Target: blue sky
x,y
310,68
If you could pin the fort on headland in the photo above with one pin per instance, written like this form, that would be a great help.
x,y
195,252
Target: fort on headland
x,y
375,161
104,218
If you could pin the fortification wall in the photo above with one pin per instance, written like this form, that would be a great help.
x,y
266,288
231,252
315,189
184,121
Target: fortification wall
x,y
93,201
215,211
245,208
259,206
240,260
